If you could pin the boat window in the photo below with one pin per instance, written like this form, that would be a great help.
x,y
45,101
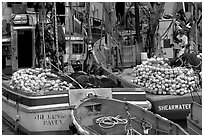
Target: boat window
x,y
78,48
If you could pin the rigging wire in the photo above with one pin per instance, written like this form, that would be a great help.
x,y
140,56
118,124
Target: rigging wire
x,y
65,74
167,30
56,33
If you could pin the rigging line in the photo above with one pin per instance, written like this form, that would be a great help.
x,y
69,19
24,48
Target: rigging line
x,y
144,11
5,76
167,30
195,66
66,75
101,26
56,34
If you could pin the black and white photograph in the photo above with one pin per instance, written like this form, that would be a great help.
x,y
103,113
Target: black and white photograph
x,y
101,67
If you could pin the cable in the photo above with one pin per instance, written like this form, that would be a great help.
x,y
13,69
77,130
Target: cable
x,y
5,77
167,30
65,74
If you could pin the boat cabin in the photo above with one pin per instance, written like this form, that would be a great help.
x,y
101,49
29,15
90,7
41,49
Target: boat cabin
x,y
23,50
76,51
19,44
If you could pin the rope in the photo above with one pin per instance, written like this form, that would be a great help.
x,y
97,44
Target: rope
x,y
65,74
110,121
167,30
131,131
195,66
5,77
180,59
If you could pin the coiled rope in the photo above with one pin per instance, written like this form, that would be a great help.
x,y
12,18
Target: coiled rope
x,y
110,121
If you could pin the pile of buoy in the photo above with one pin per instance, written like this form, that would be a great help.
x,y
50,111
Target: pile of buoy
x,y
37,81
159,78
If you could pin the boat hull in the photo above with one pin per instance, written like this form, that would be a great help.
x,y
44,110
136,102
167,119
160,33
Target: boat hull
x,y
53,121
48,114
171,106
85,117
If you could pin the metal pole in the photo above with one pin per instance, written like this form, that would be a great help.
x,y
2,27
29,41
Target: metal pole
x,y
89,22
137,22
43,31
137,35
56,34
68,30
196,32
101,25
184,9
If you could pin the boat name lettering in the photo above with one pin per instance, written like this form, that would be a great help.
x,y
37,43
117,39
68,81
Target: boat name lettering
x,y
40,116
174,107
52,122
51,119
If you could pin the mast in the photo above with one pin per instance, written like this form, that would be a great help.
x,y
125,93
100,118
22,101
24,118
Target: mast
x,y
102,24
89,21
56,34
137,35
196,32
42,19
137,22
68,31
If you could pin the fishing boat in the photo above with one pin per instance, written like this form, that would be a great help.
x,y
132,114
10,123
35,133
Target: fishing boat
x,y
50,113
102,116
31,114
194,119
164,105
117,56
